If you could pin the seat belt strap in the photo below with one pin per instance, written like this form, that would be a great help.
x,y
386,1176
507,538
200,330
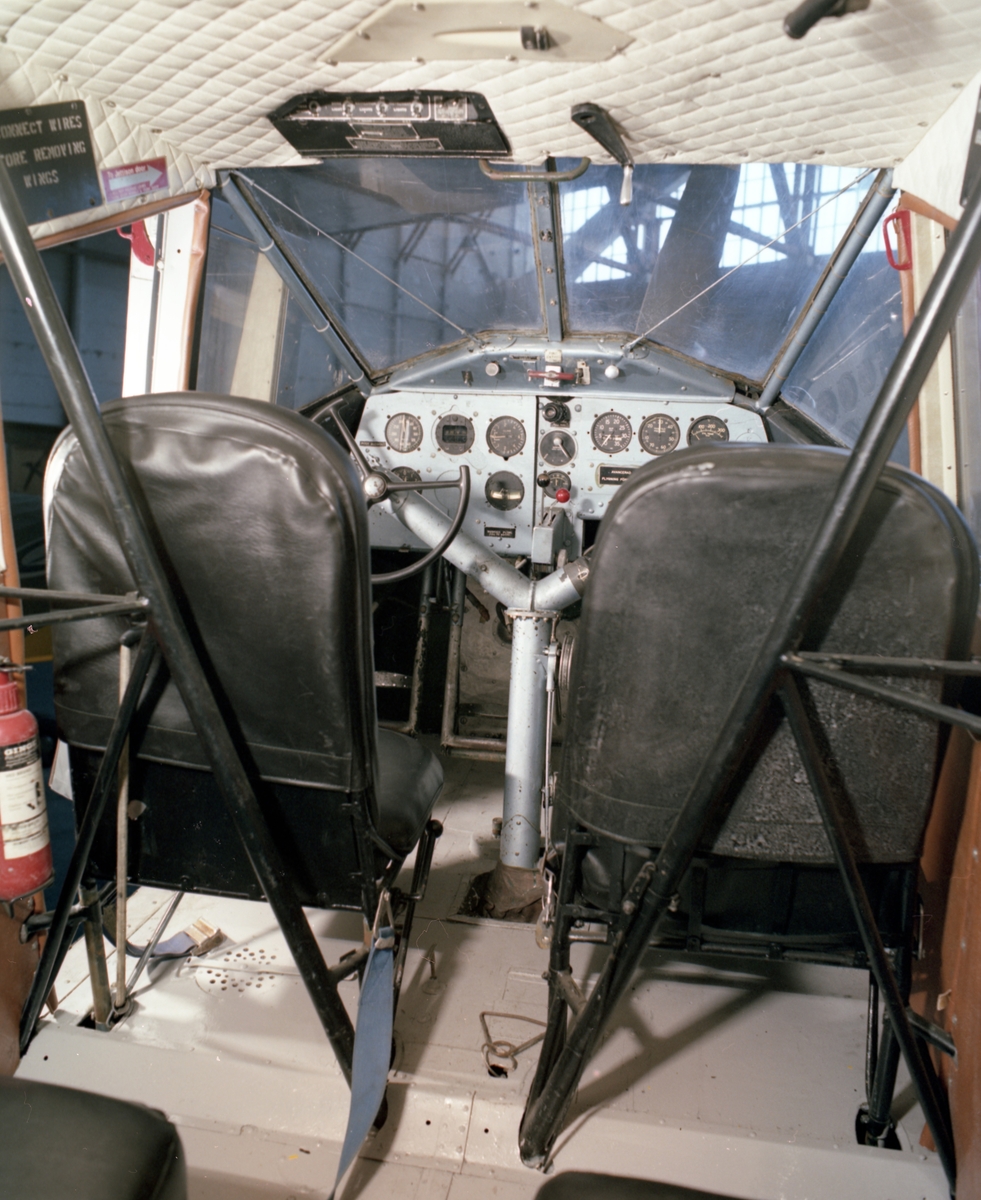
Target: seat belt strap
x,y
372,1045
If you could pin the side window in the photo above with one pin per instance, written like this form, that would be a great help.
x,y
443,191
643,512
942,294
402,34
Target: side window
x,y
967,405
255,341
837,378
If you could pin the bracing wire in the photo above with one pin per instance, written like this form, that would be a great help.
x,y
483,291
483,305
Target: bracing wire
x,y
347,249
756,253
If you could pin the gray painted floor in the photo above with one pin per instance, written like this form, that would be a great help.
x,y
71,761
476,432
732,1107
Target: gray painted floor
x,y
743,1081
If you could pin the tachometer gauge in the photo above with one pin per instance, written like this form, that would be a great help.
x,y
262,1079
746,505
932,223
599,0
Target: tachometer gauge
x,y
407,475
659,434
404,433
611,433
504,490
707,429
506,436
454,434
557,447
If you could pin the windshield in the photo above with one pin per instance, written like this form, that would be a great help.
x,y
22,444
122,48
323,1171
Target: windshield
x,y
714,261
408,255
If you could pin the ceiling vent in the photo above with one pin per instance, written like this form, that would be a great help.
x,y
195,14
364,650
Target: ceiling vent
x,y
451,30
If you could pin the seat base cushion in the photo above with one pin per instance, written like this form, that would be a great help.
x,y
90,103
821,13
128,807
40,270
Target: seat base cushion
x,y
59,1142
410,778
584,1185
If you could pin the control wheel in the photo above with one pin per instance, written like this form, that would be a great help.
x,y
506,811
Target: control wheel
x,y
377,486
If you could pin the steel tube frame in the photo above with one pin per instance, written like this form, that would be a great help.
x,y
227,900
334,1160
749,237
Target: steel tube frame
x,y
55,945
890,695
924,1080
864,222
704,801
61,616
61,355
53,597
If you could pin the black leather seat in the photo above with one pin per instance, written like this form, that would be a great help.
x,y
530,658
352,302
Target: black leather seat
x,y
697,553
259,518
61,1144
584,1185
694,557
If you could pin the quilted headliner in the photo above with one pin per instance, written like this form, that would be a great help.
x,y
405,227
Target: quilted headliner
x,y
700,81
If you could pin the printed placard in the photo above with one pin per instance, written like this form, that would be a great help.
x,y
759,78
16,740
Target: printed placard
x,y
134,179
47,151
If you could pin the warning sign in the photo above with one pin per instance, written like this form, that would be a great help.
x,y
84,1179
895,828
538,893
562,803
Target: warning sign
x,y
47,151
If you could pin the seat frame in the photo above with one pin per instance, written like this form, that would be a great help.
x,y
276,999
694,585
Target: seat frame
x,y
778,667
576,1021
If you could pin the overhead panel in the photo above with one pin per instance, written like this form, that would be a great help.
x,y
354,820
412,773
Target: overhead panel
x,y
395,123
455,30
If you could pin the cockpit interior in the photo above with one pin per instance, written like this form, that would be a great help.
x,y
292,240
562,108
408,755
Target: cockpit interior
x,y
489,641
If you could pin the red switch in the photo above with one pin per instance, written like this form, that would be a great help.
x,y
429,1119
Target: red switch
x,y
563,495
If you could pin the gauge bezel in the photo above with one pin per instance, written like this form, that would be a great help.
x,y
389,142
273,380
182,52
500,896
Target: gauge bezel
x,y
565,435
454,418
521,426
407,474
416,444
511,506
554,484
605,416
700,420
660,416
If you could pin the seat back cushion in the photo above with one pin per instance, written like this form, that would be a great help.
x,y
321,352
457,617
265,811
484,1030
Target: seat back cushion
x,y
259,519
57,1142
693,560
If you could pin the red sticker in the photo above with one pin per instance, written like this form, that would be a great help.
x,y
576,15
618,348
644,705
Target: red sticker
x,y
134,179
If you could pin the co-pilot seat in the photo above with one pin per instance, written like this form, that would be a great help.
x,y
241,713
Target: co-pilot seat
x,y
695,555
260,522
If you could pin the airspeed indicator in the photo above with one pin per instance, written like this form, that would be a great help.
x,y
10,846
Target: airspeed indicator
x,y
404,433
659,434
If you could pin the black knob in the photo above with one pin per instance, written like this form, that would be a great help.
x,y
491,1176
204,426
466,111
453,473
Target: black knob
x,y
556,412
543,479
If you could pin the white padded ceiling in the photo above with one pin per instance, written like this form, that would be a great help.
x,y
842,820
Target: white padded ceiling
x,y
701,80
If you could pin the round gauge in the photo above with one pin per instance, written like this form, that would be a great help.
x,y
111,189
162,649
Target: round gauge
x,y
659,434
454,434
707,429
407,475
557,447
611,433
556,480
504,490
506,436
404,433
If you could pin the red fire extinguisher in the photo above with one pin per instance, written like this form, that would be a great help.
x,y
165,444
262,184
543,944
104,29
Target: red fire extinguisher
x,y
25,843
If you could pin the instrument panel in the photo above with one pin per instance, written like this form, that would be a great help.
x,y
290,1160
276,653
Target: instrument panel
x,y
523,450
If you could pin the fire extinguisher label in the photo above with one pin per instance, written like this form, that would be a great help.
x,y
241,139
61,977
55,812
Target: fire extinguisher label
x,y
23,815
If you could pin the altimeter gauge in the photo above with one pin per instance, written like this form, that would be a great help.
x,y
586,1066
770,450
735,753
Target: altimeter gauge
x,y
404,433
659,434
611,433
707,429
506,436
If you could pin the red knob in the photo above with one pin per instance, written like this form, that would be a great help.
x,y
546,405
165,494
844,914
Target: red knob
x,y
563,495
